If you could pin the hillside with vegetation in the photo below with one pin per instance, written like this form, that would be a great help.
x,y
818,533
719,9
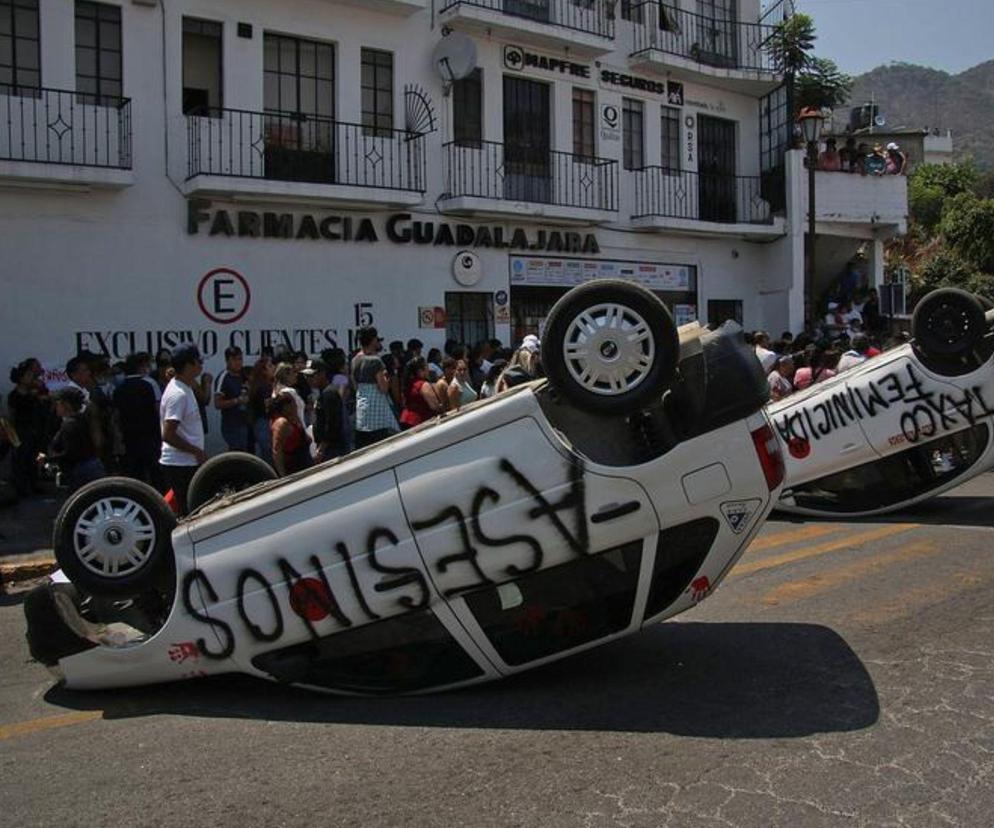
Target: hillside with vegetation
x,y
916,96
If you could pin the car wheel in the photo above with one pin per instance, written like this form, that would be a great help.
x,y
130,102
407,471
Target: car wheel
x,y
610,346
113,537
227,473
948,322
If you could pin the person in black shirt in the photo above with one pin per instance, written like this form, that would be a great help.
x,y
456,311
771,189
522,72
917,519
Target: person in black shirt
x,y
329,413
28,414
72,446
138,413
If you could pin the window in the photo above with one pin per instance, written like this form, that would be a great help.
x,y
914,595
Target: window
x,y
19,52
670,140
467,110
98,53
721,310
469,317
632,134
377,92
202,66
583,123
298,76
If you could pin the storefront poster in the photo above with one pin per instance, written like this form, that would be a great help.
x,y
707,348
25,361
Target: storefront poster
x,y
537,270
684,314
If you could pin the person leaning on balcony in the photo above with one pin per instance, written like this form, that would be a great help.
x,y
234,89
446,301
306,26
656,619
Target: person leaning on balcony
x,y
829,159
896,161
876,161
862,153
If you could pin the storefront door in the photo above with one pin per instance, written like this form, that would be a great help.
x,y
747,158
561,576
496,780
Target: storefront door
x,y
716,168
527,141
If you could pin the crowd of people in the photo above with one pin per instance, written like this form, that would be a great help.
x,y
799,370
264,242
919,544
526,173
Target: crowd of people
x,y
146,417
862,158
850,332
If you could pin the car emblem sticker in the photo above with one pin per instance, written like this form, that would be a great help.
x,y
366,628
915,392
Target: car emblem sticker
x,y
738,513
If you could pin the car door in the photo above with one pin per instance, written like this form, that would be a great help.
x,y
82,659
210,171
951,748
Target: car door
x,y
536,555
329,591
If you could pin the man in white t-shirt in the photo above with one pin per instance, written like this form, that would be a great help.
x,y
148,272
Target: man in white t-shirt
x,y
182,428
766,357
857,355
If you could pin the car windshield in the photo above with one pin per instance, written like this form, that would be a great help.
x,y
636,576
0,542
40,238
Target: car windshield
x,y
891,480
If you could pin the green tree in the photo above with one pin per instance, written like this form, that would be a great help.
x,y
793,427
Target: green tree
x,y
925,202
791,44
820,84
952,179
968,227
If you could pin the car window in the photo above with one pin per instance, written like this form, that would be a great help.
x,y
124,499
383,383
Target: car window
x,y
896,478
401,654
680,551
559,608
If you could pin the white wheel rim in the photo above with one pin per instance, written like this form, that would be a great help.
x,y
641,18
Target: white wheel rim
x,y
114,537
609,349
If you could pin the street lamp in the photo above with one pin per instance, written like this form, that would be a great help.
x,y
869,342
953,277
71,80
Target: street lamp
x,y
811,119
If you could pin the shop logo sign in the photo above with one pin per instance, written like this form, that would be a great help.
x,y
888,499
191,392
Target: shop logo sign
x,y
224,296
514,58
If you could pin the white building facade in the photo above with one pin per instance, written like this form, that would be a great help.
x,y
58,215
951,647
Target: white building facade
x,y
254,173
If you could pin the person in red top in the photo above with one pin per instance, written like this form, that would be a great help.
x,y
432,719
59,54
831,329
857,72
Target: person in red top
x,y
421,400
291,445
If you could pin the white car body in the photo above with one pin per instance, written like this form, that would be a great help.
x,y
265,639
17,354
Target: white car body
x,y
448,529
884,435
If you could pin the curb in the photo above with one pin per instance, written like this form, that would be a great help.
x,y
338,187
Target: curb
x,y
31,566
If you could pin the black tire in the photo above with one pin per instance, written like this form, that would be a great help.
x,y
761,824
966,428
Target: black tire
x,y
124,521
227,473
652,361
948,322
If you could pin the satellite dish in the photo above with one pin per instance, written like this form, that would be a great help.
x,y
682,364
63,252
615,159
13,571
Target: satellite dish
x,y
454,58
880,121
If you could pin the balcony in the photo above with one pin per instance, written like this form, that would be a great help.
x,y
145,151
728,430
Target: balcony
x,y
487,179
582,26
705,204
57,138
698,47
303,158
849,203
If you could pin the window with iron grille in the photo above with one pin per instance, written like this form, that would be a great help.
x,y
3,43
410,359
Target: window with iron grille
x,y
377,92
469,316
670,140
583,123
632,117
467,110
20,55
98,53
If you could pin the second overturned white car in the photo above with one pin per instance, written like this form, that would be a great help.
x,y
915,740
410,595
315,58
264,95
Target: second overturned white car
x,y
901,427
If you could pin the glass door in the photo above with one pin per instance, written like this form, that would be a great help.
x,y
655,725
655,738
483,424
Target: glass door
x,y
716,38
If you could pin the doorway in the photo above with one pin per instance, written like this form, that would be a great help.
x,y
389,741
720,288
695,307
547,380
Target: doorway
x,y
716,169
527,140
532,9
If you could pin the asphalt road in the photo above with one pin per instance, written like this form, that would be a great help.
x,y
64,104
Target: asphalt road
x,y
842,675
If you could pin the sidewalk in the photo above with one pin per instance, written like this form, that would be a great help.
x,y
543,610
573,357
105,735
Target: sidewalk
x,y
26,537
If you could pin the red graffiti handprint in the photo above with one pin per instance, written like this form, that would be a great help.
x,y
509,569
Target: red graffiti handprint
x,y
183,651
798,447
699,588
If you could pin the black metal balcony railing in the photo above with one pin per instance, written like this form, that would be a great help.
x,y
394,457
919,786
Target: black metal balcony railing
x,y
588,16
726,44
683,194
282,146
59,126
485,169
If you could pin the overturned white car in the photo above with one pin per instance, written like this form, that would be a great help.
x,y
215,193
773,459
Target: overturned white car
x,y
901,427
560,515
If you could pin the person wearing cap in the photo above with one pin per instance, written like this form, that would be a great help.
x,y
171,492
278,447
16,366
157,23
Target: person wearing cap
x,y
896,160
231,399
829,159
329,413
182,428
72,446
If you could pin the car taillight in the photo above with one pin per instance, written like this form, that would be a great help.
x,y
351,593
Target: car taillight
x,y
770,457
